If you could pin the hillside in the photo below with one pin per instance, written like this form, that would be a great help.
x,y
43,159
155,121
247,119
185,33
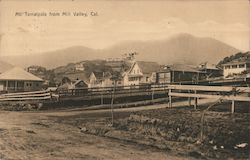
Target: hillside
x,y
180,48
238,56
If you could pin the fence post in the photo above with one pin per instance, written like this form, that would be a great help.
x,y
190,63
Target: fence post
x,y
189,99
195,101
101,98
51,96
232,108
233,102
152,95
170,99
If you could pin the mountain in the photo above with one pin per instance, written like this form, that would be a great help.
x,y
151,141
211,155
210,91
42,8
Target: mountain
x,y
179,48
55,58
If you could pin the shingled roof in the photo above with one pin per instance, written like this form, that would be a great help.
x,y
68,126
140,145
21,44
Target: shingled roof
x,y
148,67
4,66
17,73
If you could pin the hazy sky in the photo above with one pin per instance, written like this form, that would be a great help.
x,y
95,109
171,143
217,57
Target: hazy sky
x,y
225,20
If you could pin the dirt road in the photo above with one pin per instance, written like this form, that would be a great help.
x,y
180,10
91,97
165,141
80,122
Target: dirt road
x,y
36,136
56,135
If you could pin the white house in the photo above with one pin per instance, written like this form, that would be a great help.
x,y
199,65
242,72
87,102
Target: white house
x,y
235,67
79,67
103,79
141,72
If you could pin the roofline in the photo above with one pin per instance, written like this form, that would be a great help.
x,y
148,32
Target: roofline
x,y
186,71
21,80
230,63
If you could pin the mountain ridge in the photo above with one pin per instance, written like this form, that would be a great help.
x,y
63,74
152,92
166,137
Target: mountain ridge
x,y
181,47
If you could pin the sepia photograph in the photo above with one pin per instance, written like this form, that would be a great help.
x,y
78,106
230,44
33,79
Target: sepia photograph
x,y
124,80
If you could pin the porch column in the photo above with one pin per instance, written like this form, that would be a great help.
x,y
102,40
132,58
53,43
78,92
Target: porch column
x,y
6,85
15,86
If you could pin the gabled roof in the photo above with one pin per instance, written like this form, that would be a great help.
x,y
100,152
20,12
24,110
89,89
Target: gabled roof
x,y
17,73
70,85
119,66
4,66
208,66
148,67
74,76
101,75
79,81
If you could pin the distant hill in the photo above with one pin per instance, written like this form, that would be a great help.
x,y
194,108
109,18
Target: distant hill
x,y
54,58
180,48
237,56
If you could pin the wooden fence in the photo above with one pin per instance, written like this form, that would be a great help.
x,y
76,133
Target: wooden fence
x,y
210,92
27,96
190,91
106,92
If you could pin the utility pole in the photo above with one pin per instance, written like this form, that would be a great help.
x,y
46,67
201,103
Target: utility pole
x,y
112,100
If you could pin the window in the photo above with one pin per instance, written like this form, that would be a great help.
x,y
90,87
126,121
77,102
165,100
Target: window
x,y
248,65
28,84
241,65
234,66
227,67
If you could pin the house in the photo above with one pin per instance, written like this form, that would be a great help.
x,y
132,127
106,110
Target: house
x,y
76,88
78,84
237,66
37,71
109,74
79,67
19,80
73,77
103,79
180,73
211,70
140,72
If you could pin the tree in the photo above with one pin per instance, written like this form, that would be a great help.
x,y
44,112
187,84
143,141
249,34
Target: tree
x,y
239,55
115,77
66,80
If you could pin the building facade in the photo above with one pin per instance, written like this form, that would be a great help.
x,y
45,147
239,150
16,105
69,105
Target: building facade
x,y
180,74
18,80
141,72
235,67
